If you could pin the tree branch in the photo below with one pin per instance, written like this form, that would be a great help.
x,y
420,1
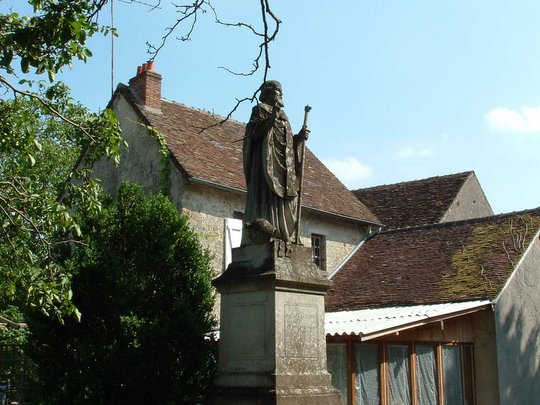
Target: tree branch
x,y
48,106
270,22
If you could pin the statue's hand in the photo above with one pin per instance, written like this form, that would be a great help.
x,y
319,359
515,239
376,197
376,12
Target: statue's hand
x,y
303,135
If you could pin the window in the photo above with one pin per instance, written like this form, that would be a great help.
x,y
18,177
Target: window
x,y
336,353
399,374
388,373
318,247
367,377
457,375
426,374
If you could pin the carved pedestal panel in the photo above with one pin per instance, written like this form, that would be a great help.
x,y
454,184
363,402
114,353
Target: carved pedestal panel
x,y
272,347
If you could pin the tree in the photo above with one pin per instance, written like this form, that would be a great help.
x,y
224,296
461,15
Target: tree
x,y
36,215
142,283
47,144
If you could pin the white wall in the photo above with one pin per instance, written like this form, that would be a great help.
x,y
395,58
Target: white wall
x,y
517,312
471,202
141,163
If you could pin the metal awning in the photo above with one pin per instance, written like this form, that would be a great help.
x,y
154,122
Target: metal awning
x,y
373,323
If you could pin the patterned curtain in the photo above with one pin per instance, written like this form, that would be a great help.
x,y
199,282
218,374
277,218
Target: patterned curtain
x,y
367,374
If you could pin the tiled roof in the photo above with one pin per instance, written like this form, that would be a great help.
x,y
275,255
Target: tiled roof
x,y
447,262
213,153
413,203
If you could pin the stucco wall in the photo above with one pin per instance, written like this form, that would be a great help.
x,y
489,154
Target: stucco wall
x,y
207,208
518,332
342,236
471,202
141,163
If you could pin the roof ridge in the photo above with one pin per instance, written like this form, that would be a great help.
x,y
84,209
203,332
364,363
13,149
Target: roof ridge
x,y
464,174
460,222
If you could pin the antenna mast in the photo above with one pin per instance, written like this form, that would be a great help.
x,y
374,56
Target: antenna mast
x,y
112,48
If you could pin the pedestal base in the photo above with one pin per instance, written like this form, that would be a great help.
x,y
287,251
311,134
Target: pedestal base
x,y
272,347
256,396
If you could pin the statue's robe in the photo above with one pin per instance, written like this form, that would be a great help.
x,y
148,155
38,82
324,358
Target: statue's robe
x,y
270,168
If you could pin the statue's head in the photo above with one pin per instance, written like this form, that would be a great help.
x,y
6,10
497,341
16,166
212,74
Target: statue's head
x,y
271,93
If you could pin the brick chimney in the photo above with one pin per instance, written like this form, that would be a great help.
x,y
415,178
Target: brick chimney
x,y
147,85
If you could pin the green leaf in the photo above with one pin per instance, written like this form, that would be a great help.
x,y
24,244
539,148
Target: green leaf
x,y
38,145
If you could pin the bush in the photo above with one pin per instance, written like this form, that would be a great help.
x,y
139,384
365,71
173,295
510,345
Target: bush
x,y
142,283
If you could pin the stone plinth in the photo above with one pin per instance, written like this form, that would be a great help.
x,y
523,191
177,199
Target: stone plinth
x,y
272,347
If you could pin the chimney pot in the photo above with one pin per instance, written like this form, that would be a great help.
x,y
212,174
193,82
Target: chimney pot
x,y
147,85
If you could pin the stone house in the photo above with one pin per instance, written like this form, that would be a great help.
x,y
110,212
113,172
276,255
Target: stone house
x,y
197,161
438,307
444,313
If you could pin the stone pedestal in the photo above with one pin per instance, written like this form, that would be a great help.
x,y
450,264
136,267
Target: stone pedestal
x,y
272,347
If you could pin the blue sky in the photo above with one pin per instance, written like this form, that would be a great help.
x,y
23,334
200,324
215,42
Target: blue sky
x,y
400,90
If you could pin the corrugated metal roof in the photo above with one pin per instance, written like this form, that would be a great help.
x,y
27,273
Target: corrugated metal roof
x,y
372,323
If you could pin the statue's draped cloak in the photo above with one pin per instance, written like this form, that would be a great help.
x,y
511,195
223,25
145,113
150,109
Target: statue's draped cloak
x,y
270,166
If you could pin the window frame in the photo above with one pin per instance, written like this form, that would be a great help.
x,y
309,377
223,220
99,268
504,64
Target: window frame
x,y
468,387
320,259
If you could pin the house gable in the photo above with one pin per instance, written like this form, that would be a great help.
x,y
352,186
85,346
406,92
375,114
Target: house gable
x,y
470,202
427,201
208,150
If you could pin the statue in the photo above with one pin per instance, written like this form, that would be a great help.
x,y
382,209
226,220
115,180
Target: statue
x,y
273,170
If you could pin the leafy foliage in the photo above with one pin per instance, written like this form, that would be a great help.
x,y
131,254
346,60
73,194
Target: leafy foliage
x,y
51,37
47,144
42,179
143,286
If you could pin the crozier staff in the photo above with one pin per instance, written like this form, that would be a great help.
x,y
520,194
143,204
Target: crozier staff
x,y
271,165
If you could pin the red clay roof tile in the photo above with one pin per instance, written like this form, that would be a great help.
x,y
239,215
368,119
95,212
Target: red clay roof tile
x,y
211,152
445,262
413,203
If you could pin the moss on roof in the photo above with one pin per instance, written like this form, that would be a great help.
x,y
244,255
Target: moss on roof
x,y
474,266
447,262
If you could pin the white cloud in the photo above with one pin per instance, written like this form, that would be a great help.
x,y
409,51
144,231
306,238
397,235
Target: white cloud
x,y
349,170
505,119
409,152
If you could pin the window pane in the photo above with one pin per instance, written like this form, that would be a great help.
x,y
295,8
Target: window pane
x,y
399,379
468,389
453,389
426,375
336,354
367,374
318,250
